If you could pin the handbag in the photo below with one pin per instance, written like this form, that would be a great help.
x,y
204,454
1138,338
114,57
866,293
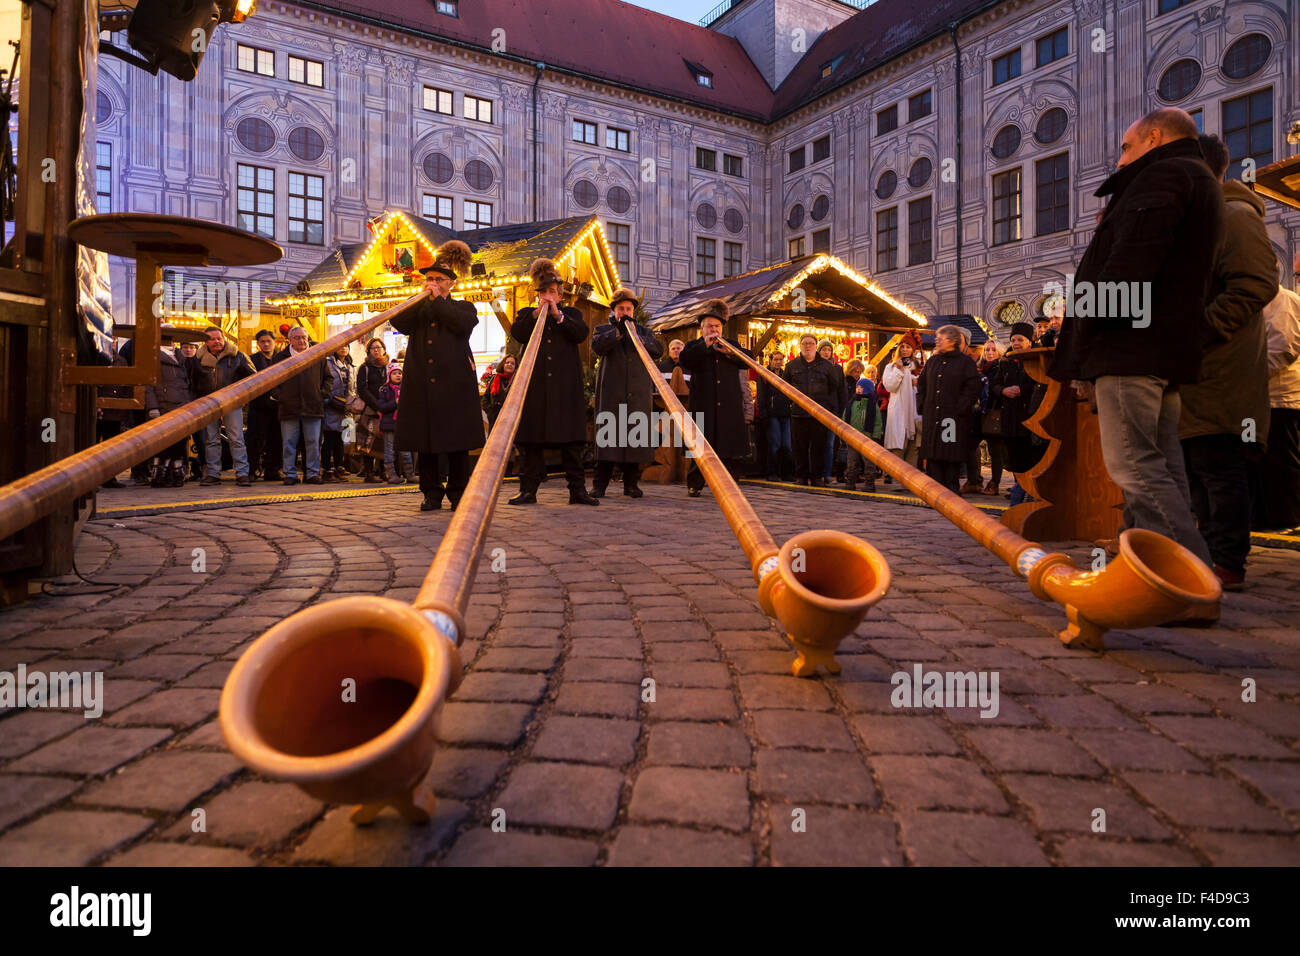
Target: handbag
x,y
991,422
356,405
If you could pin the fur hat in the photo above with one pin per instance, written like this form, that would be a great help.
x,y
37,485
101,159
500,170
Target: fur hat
x,y
544,274
624,295
716,308
1023,328
452,260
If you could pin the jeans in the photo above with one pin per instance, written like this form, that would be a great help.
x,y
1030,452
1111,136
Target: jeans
x,y
1138,417
289,437
830,454
778,441
234,421
1218,477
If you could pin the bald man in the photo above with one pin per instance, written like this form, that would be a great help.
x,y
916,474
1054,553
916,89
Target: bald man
x,y
1136,315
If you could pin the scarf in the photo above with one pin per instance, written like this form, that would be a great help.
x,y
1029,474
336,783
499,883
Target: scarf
x,y
497,379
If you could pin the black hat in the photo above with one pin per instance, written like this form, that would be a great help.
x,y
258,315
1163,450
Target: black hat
x,y
1023,328
452,260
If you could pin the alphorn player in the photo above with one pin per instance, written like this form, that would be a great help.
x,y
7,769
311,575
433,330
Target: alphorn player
x,y
555,410
716,401
439,411
625,392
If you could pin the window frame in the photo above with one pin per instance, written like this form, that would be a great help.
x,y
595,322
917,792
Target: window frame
x,y
1011,57
790,166
821,159
732,252
616,132
257,191
454,6
887,239
437,217
1267,94
1039,62
479,102
739,164
928,93
307,198
920,250
1016,216
1063,182
706,253
594,128
257,52
887,115
107,178
826,232
476,220
615,245
306,71
438,92
700,153
796,247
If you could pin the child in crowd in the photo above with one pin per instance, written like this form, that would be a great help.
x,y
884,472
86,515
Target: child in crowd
x,y
390,395
866,417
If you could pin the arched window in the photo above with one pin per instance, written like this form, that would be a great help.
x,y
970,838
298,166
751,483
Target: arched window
x,y
820,208
733,220
795,219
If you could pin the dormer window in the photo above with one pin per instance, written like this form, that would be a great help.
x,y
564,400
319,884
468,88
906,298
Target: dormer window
x,y
704,79
448,8
829,66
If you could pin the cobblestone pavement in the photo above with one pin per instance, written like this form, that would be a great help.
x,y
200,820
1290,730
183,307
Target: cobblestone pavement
x,y
550,726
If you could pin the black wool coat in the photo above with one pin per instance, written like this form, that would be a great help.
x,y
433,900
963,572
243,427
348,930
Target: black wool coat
x,y
555,408
948,388
622,380
1161,226
715,392
439,410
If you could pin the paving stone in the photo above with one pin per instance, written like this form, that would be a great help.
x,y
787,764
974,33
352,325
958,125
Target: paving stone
x,y
25,731
799,728
686,703
683,795
483,847
518,659
600,740
210,675
831,836
175,707
1243,849
23,795
91,751
608,700
465,772
628,648
525,688
167,667
70,837
1135,749
1094,851
1151,699
469,723
168,780
252,814
1034,751
697,745
1279,782
603,670
676,846
923,783
674,632
1203,802
1057,804
797,776
207,735
961,839
693,674
685,651
1220,737
388,841
158,853
891,734
565,795
762,691
527,637
602,630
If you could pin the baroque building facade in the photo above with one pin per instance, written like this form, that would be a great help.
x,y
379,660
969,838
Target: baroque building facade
x,y
953,159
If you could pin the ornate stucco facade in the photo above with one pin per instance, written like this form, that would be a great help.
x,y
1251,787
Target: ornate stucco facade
x,y
176,147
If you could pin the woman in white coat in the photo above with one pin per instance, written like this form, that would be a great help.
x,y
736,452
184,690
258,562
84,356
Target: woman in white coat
x,y
902,426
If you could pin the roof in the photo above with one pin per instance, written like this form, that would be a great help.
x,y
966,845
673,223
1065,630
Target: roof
x,y
1280,181
859,299
868,40
978,335
606,39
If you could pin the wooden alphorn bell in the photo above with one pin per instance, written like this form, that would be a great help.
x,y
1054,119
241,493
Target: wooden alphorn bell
x,y
1153,580
285,710
818,585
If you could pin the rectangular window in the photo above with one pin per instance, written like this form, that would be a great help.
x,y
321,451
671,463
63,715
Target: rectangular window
x,y
1053,46
1052,194
310,72
1006,67
733,165
256,199
1199,117
887,120
584,132
254,60
1248,130
477,109
730,259
706,159
887,239
448,8
821,149
438,209
704,79
796,160
306,208
620,244
1168,5
1006,207
617,139
478,215
103,177
919,105
796,247
706,260
438,101
920,247
821,241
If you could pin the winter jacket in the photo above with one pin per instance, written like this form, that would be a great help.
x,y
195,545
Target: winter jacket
x,y
863,413
388,400
1009,371
303,396
371,377
622,382
217,371
264,404
1158,236
1283,318
341,390
903,417
175,382
820,380
1233,389
949,386
771,403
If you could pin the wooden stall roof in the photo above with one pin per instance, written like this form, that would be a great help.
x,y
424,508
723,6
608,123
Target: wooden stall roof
x,y
835,293
1280,181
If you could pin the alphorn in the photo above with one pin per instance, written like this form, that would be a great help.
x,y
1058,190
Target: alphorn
x,y
818,585
342,699
1154,580
34,496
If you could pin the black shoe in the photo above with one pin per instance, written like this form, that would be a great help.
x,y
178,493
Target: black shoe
x,y
598,491
773,478
694,492
291,481
314,481
112,483
632,491
523,498
581,498
431,504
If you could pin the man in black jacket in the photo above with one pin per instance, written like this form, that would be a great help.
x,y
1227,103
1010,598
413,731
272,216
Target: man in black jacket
x,y
624,397
1135,315
716,399
263,432
821,381
439,410
774,409
301,402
